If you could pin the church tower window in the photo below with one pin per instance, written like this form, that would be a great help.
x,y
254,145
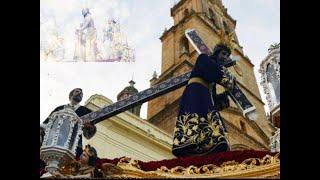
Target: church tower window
x,y
212,17
184,45
226,27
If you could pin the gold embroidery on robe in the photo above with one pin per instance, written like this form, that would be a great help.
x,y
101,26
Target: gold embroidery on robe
x,y
205,133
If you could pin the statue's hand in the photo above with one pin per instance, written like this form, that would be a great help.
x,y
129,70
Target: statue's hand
x,y
231,83
228,80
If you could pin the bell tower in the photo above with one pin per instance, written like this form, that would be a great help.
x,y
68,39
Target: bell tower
x,y
207,17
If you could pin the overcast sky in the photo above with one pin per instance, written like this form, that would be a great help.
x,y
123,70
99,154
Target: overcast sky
x,y
143,22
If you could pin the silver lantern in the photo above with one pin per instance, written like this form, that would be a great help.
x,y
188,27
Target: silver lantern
x,y
61,139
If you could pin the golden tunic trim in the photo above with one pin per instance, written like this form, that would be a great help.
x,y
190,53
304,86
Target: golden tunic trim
x,y
199,80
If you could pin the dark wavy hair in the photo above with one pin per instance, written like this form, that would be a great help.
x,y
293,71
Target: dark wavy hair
x,y
220,47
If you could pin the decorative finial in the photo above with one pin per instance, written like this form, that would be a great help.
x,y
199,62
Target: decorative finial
x,y
273,47
154,74
132,83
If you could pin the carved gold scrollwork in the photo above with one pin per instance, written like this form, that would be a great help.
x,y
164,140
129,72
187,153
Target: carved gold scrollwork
x,y
178,170
208,169
126,161
266,167
230,167
193,170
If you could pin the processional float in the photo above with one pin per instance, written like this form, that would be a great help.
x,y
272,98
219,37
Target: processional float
x,y
64,127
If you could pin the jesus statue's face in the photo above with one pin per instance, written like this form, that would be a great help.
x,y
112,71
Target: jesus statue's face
x,y
223,55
